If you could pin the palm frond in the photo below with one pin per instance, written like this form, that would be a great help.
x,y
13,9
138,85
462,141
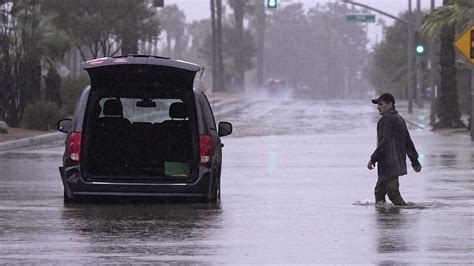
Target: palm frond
x,y
456,15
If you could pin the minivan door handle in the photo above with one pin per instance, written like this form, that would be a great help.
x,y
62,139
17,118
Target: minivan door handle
x,y
222,145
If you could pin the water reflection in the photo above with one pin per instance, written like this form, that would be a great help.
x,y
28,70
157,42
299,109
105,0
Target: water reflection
x,y
145,230
391,224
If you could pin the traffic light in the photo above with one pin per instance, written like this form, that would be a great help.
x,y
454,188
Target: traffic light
x,y
272,3
420,47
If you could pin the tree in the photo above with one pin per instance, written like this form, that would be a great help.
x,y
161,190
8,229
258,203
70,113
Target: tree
x,y
20,66
101,28
442,24
214,44
173,22
387,70
307,48
219,48
260,16
240,7
53,45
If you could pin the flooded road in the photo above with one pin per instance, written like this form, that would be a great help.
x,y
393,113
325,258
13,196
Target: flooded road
x,y
295,189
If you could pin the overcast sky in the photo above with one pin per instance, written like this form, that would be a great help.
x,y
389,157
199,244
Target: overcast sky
x,y
199,9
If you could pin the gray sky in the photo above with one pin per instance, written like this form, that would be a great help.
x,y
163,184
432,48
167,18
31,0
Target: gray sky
x,y
199,9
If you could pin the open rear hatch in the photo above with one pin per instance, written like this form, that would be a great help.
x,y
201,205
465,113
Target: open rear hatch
x,y
157,72
141,122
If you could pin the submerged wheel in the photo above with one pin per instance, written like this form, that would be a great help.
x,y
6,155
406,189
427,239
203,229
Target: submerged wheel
x,y
68,199
215,192
219,188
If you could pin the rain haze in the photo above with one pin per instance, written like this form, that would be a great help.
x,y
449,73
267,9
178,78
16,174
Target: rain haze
x,y
236,132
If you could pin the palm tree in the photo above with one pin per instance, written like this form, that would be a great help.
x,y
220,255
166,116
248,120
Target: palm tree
x,y
260,38
173,21
442,23
239,7
214,44
219,47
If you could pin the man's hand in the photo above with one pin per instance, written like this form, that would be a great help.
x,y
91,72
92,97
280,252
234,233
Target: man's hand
x,y
417,168
370,165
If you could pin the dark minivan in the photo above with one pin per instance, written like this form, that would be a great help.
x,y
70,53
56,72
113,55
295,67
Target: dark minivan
x,y
141,129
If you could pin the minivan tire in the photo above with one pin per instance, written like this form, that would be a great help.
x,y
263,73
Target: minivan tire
x,y
68,199
216,188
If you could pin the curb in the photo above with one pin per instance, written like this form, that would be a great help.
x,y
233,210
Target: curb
x,y
32,141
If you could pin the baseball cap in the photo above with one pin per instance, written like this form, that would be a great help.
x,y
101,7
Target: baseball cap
x,y
384,97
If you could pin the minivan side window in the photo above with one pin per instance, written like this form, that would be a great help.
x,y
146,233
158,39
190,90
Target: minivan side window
x,y
208,115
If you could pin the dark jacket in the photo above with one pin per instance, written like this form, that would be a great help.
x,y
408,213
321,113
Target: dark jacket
x,y
393,145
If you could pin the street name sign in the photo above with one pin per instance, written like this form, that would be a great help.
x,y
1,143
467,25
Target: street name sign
x,y
365,18
465,44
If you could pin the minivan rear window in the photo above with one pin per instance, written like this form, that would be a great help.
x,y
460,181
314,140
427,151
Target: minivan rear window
x,y
153,114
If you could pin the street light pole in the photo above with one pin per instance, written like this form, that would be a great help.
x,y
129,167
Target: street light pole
x,y
471,124
419,80
432,76
410,77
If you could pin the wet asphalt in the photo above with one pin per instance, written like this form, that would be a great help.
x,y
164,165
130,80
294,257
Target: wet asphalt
x,y
295,189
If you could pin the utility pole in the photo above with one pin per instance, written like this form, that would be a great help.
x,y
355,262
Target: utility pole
x,y
410,77
419,79
471,124
433,86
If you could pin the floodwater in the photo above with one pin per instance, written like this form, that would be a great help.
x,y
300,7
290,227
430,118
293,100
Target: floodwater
x,y
295,189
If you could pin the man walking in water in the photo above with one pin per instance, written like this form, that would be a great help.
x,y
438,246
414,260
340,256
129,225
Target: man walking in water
x,y
393,145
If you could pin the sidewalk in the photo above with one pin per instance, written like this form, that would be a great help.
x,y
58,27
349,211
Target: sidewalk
x,y
21,137
420,118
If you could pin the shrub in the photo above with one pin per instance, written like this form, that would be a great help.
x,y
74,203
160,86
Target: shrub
x,y
42,115
71,89
3,127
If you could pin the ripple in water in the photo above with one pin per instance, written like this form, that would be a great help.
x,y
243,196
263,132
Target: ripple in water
x,y
411,205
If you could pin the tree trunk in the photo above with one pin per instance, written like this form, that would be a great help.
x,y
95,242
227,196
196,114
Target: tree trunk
x,y
30,78
129,44
53,84
219,48
213,44
239,75
168,43
177,50
260,40
449,114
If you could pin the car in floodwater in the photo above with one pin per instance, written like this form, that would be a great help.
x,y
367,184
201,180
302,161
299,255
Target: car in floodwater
x,y
141,129
277,86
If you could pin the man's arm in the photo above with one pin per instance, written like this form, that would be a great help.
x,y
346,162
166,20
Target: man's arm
x,y
384,133
412,153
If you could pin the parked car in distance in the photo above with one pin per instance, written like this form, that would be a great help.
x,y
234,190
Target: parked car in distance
x,y
141,129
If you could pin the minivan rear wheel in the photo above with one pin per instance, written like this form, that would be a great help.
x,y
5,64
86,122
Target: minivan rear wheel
x,y
216,188
68,199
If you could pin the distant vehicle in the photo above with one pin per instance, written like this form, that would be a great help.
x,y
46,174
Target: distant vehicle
x,y
276,85
142,130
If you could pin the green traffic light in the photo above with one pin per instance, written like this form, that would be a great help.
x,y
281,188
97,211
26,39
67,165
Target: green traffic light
x,y
272,3
420,49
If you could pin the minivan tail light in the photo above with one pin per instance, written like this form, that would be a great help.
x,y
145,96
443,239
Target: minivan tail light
x,y
74,146
205,149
